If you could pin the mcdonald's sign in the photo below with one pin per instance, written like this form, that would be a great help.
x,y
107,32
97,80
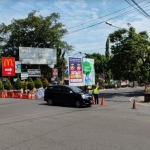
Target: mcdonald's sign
x,y
8,66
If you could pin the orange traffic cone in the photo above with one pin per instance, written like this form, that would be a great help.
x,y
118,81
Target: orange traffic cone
x,y
102,101
20,96
3,95
93,100
29,96
13,95
134,105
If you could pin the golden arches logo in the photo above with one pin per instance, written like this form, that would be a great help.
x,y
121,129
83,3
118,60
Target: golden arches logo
x,y
8,62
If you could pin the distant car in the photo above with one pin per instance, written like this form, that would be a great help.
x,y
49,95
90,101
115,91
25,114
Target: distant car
x,y
64,94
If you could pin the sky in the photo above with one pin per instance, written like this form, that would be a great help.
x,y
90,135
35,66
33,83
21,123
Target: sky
x,y
85,20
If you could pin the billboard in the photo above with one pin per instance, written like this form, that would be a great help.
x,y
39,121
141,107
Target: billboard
x,y
75,71
30,55
17,67
34,72
8,66
88,71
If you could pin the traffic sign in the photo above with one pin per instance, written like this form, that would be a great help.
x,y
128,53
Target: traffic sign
x,y
8,66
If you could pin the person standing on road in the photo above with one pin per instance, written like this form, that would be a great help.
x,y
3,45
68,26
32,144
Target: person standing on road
x,y
95,94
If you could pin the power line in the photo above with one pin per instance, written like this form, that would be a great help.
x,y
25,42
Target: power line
x,y
140,8
101,17
133,10
97,18
137,9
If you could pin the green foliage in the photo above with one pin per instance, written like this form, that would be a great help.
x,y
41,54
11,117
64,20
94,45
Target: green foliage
x,y
30,80
35,31
18,84
24,85
130,54
45,83
30,85
7,85
107,55
38,83
1,85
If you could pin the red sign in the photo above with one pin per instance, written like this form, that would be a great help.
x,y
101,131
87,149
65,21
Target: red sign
x,y
8,66
54,73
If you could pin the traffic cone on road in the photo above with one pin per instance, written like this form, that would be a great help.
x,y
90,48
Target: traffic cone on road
x,y
3,95
102,102
93,100
134,105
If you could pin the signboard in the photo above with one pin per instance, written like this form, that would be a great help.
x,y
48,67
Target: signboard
x,y
8,66
75,71
88,72
54,72
34,72
30,55
17,67
24,75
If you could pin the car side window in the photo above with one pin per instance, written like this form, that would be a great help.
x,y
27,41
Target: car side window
x,y
57,89
66,90
50,88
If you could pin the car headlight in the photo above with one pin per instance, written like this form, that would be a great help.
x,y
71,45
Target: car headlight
x,y
83,96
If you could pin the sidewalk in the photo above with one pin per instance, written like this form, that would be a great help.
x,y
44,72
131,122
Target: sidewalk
x,y
140,100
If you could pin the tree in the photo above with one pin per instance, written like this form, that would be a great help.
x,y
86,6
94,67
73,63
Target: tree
x,y
30,85
34,31
7,85
18,84
130,54
38,83
45,83
107,55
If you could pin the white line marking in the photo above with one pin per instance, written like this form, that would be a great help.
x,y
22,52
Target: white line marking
x,y
137,102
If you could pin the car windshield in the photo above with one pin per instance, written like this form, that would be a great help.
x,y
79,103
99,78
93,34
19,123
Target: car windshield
x,y
76,89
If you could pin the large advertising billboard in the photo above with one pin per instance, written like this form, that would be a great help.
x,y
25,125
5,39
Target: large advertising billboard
x,y
88,71
30,55
8,66
75,71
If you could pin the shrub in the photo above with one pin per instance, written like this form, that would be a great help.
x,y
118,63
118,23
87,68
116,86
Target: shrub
x,y
18,84
45,83
7,85
24,85
30,85
38,83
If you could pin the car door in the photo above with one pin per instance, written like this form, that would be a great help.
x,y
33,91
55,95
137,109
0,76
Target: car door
x,y
57,94
68,96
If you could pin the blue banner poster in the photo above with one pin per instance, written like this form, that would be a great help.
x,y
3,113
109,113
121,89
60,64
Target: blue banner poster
x,y
75,71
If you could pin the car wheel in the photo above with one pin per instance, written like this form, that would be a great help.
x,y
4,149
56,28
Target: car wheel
x,y
77,104
50,102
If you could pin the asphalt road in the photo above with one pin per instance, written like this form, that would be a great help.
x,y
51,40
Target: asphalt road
x,y
32,125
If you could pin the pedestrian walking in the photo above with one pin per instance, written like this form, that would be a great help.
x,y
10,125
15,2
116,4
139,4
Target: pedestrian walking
x,y
95,93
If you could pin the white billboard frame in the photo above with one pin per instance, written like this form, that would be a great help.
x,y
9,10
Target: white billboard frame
x,y
37,56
